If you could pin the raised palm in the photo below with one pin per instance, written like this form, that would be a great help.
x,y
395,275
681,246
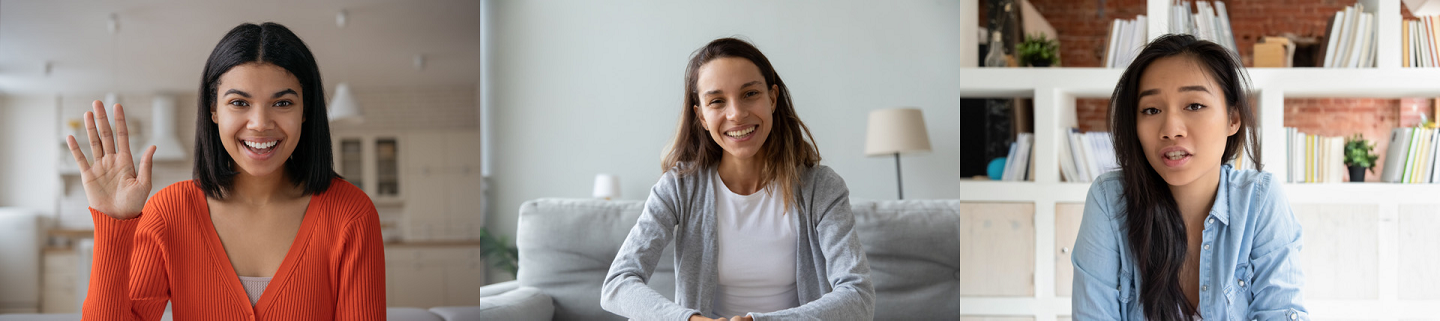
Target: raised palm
x,y
112,184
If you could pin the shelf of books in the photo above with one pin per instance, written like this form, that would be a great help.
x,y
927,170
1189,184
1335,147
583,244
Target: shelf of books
x,y
1366,231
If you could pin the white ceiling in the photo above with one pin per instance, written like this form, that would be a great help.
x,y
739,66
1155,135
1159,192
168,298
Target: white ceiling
x,y
161,45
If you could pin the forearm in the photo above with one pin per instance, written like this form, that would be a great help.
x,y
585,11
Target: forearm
x,y
108,297
844,303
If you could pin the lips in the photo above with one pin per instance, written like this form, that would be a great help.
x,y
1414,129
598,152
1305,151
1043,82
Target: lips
x,y
1175,156
743,132
260,148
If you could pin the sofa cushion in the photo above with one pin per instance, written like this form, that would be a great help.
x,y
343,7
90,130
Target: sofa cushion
x,y
567,245
410,314
914,253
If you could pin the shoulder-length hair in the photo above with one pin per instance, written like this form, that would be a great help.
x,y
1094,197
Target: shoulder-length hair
x,y
310,165
787,150
1154,227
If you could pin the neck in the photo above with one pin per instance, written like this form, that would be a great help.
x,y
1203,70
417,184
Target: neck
x,y
1195,199
262,190
741,175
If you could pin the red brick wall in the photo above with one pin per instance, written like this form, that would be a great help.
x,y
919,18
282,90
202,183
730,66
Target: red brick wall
x,y
1083,32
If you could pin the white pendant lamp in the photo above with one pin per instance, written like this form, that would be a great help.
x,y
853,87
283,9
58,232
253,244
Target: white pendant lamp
x,y
344,108
162,132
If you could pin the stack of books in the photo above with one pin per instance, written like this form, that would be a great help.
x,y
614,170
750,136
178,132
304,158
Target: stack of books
x,y
1017,163
1208,22
1127,37
1313,158
1084,156
1410,158
1420,42
1351,43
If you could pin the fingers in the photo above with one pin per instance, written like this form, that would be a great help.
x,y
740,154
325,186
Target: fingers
x,y
107,137
95,150
145,165
122,134
75,151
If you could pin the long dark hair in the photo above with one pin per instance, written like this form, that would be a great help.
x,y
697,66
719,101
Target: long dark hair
x,y
311,164
785,151
1154,226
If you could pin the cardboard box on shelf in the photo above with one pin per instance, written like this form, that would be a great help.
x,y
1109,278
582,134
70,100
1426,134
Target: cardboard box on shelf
x,y
1274,52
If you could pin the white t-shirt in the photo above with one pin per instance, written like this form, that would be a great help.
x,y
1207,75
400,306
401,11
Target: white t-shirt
x,y
757,252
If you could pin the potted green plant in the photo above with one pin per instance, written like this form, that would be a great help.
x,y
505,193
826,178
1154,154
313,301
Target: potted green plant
x,y
1359,156
499,253
1038,51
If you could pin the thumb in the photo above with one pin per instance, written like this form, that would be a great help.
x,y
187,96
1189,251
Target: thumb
x,y
146,163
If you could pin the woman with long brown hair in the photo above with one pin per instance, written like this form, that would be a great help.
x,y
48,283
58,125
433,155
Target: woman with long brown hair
x,y
1176,233
761,229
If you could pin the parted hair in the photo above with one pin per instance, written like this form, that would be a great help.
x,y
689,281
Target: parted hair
x,y
789,148
311,164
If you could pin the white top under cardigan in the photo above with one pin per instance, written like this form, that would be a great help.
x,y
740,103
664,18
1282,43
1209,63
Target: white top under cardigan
x,y
757,252
832,276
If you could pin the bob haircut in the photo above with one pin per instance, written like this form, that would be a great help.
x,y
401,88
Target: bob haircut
x,y
310,165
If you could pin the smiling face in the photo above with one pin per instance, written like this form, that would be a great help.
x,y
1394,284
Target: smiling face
x,y
735,105
1183,120
258,111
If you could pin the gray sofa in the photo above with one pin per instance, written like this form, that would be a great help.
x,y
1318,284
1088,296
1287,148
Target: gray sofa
x,y
567,245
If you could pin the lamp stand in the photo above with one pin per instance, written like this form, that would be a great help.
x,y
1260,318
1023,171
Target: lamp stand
x,y
899,185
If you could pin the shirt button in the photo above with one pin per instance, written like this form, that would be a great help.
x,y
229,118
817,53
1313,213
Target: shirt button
x,y
1242,282
1210,221
1204,288
1207,246
1294,316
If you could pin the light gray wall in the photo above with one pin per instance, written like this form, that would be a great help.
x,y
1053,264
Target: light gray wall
x,y
587,87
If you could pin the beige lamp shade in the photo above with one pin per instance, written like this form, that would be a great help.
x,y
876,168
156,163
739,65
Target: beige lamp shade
x,y
896,130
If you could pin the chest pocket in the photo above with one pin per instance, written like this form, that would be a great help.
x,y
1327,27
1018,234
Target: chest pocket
x,y
1237,292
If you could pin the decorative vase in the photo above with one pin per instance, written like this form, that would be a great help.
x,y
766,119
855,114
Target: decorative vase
x,y
1357,174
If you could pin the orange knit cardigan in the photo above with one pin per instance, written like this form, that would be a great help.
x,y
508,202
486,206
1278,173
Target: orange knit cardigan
x,y
334,270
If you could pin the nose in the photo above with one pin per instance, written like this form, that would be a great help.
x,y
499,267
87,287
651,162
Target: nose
x,y
736,112
1172,126
259,119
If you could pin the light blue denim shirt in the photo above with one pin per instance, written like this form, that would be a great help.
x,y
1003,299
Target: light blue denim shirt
x,y
1249,262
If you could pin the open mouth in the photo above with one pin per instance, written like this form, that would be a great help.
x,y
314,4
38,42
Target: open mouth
x,y
742,134
259,148
1176,157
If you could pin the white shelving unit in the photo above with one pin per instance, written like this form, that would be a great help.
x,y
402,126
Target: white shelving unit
x,y
1055,90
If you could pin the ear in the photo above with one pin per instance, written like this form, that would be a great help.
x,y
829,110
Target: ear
x,y
774,96
213,118
699,117
1234,123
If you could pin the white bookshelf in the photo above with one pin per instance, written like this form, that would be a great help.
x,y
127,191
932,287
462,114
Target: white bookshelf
x,y
1055,91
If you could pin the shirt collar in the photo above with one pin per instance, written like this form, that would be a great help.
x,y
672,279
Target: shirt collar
x,y
1221,208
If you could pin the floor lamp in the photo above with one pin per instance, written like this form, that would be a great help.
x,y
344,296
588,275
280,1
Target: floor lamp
x,y
896,131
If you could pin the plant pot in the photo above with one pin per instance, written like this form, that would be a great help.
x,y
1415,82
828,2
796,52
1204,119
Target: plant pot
x,y
1357,174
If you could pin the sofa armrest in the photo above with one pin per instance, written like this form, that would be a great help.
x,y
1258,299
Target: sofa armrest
x,y
521,304
498,288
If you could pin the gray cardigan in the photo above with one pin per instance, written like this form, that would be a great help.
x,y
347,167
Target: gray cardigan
x,y
832,275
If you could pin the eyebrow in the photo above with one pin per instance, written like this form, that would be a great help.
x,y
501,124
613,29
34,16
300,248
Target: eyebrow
x,y
1182,89
247,95
748,84
292,92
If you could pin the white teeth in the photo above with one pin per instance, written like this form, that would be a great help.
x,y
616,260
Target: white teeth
x,y
742,132
1176,155
259,145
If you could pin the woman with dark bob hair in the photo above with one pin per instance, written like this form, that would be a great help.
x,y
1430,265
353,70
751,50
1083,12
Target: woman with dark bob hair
x,y
265,231
1178,233
762,231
